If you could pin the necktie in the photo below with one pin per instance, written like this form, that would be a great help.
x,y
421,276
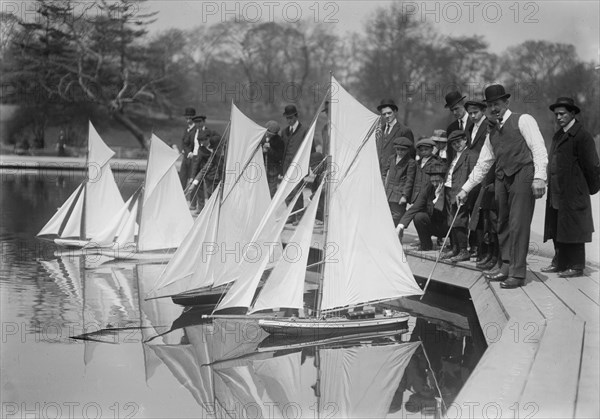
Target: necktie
x,y
388,128
460,124
291,130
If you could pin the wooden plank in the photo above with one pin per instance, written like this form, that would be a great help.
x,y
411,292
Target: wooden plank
x,y
490,313
455,275
544,299
589,288
588,404
551,388
500,376
516,303
572,297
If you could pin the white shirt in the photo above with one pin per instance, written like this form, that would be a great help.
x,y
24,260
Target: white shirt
x,y
533,137
295,126
569,125
448,182
424,160
196,142
388,127
464,120
476,127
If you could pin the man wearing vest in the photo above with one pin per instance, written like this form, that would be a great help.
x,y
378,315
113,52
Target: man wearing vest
x,y
516,145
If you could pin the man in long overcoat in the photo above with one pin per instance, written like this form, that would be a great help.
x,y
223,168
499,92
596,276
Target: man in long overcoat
x,y
572,159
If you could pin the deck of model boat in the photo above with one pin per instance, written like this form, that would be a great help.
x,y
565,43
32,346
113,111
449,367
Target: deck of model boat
x,y
543,340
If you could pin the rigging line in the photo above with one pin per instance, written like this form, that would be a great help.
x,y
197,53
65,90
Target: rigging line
x,y
433,374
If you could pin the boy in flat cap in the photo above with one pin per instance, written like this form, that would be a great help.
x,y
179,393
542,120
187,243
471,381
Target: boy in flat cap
x,y
400,178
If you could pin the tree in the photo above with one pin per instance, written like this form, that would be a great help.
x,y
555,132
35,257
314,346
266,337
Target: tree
x,y
78,52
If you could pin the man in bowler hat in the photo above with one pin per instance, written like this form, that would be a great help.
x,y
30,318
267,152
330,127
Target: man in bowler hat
x,y
572,161
385,133
517,146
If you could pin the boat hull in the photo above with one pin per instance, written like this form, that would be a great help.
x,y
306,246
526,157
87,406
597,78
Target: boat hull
x,y
307,328
204,297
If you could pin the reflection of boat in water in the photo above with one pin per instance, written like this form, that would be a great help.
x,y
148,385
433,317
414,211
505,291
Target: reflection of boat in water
x,y
96,201
363,260
220,365
154,221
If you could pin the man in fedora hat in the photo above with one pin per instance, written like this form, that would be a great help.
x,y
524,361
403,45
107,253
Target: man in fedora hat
x,y
400,178
572,160
187,146
455,103
385,133
517,146
292,136
427,211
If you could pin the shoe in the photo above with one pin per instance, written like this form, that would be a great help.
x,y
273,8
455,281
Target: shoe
x,y
512,283
551,269
490,264
497,277
571,273
449,254
493,271
462,256
424,248
473,250
483,261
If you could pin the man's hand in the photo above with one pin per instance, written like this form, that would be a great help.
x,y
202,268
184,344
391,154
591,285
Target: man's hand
x,y
400,232
539,188
461,198
402,201
190,155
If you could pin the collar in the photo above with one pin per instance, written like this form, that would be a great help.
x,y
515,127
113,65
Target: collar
x,y
506,115
477,124
295,126
465,119
568,127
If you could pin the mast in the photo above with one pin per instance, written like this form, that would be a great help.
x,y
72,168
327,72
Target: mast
x,y
327,197
138,216
82,228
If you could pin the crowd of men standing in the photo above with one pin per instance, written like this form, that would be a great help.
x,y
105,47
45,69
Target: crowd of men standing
x,y
476,181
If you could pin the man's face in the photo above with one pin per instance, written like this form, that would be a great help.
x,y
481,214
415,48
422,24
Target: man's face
x,y
458,111
189,121
436,180
459,145
475,113
497,108
425,151
388,115
400,151
200,123
441,145
291,120
563,116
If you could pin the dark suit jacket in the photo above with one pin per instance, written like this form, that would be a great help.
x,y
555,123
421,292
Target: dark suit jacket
x,y
571,159
385,145
292,144
274,156
400,178
477,143
422,178
187,142
424,203
461,170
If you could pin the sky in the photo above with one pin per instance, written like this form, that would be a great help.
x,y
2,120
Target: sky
x,y
500,23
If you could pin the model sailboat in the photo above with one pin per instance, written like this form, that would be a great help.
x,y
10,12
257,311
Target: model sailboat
x,y
363,259
209,257
155,219
85,213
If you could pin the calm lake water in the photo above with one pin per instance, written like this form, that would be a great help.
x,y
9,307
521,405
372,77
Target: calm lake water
x,y
79,340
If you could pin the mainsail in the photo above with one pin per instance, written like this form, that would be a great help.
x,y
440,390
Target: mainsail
x,y
211,251
94,202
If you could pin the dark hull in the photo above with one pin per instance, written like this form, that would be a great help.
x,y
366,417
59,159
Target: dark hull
x,y
201,297
313,329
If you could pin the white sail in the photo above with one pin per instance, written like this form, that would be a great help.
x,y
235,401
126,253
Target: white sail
x,y
242,291
361,380
245,196
285,285
53,226
119,227
101,196
103,199
368,262
165,217
188,268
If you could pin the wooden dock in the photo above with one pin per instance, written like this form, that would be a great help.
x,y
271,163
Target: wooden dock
x,y
542,359
543,350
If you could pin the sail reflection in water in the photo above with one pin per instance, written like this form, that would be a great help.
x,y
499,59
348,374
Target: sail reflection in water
x,y
230,373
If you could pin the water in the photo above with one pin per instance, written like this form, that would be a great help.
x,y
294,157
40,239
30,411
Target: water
x,y
79,340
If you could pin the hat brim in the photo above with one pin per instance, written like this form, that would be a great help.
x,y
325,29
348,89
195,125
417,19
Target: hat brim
x,y
286,114
387,105
480,105
574,108
450,105
493,99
